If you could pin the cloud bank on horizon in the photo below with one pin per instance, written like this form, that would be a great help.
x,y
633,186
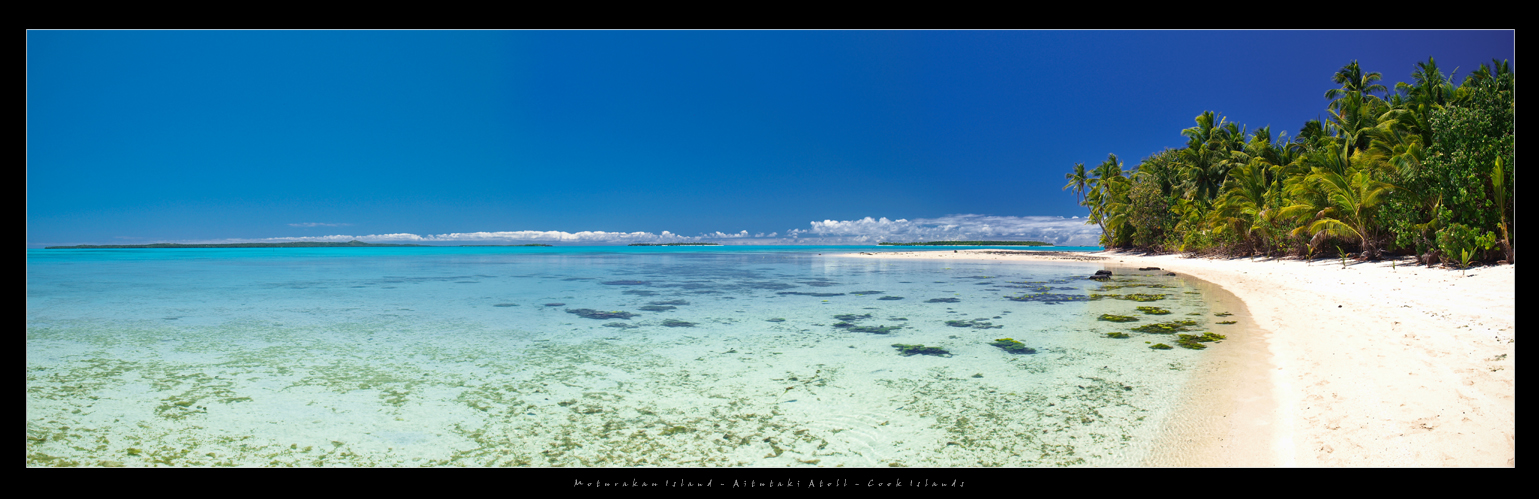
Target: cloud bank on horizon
x,y
1057,230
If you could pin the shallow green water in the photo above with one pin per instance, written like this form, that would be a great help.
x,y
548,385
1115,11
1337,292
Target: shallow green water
x,y
457,356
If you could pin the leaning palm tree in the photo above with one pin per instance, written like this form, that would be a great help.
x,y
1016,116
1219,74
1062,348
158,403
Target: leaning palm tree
x,y
1077,181
1104,177
1119,212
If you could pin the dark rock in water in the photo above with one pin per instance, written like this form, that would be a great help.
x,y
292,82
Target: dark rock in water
x,y
589,313
890,298
808,294
658,308
1170,273
669,302
621,325
554,304
677,323
942,300
506,305
1149,268
865,292
627,283
1098,272
1100,278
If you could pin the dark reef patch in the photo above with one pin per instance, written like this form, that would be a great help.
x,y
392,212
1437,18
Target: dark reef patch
x,y
1012,346
588,313
975,324
1167,327
1046,297
909,350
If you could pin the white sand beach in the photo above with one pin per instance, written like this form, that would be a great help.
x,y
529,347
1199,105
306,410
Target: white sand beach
x,y
1375,364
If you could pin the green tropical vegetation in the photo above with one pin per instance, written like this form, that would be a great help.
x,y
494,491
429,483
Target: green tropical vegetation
x,y
1423,169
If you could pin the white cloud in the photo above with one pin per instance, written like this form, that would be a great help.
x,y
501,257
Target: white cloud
x,y
1057,230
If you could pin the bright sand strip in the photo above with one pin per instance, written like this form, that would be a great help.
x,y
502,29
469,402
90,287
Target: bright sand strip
x,y
1375,364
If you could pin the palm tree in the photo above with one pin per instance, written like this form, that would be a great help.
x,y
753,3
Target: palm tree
x,y
1119,211
1495,71
1354,202
1101,193
1398,144
1353,81
1205,160
1163,168
1077,181
1432,86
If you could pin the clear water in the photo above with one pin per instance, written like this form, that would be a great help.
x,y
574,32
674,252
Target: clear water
x,y
475,357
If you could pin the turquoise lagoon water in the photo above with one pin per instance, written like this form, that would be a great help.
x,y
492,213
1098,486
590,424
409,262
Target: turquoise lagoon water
x,y
733,356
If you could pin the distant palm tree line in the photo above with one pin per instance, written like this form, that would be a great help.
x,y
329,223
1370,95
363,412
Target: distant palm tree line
x,y
1425,169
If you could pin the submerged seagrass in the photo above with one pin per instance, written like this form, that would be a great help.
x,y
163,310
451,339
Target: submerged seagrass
x,y
484,357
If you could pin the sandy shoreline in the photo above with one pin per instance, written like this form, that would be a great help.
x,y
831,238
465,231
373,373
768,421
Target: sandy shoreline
x,y
1378,364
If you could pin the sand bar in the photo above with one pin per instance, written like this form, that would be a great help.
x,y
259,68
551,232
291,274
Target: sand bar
x,y
1375,364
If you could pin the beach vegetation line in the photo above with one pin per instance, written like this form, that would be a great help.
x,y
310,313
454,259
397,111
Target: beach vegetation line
x,y
1425,168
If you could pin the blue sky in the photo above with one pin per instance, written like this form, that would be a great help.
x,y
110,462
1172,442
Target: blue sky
x,y
486,136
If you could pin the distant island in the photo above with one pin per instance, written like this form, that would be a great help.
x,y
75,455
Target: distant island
x,y
971,243
674,244
504,245
349,244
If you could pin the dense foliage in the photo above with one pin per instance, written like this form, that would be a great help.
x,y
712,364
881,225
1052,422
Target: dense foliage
x,y
1425,169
